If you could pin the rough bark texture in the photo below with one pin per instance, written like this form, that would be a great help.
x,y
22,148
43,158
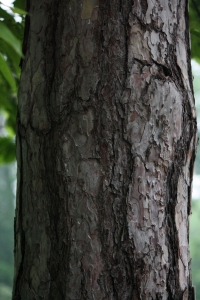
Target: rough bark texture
x,y
105,147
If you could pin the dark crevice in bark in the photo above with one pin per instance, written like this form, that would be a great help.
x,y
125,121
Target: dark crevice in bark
x,y
121,6
115,293
163,72
143,62
83,284
126,42
126,7
57,211
175,69
52,46
182,149
19,228
189,127
60,240
26,32
192,293
191,168
187,39
144,6
173,240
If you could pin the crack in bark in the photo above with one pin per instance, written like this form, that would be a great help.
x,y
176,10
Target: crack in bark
x,y
102,162
26,32
19,219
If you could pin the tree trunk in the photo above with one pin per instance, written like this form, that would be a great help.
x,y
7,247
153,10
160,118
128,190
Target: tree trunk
x,y
105,147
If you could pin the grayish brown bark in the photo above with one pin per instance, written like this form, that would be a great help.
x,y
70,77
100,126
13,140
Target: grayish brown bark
x,y
105,147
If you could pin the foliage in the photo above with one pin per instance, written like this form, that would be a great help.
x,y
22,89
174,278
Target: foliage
x,y
195,29
5,292
11,35
7,179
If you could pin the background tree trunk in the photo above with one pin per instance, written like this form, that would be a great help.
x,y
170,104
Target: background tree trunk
x,y
105,148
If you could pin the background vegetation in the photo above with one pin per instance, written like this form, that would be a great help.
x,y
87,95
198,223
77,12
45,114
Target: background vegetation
x,y
11,36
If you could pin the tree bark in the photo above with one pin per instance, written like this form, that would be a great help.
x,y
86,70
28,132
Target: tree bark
x,y
106,141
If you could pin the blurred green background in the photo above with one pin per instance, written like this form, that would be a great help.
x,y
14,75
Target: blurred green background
x,y
7,189
12,17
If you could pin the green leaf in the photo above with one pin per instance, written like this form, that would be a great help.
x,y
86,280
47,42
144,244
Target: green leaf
x,y
18,11
7,35
194,28
12,57
8,107
7,150
5,70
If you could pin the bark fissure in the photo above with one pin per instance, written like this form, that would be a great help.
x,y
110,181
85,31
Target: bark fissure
x,y
106,168
19,243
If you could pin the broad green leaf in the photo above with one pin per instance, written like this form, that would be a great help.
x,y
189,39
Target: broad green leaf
x,y
7,150
12,57
16,28
194,28
5,70
8,106
18,11
11,35
7,35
